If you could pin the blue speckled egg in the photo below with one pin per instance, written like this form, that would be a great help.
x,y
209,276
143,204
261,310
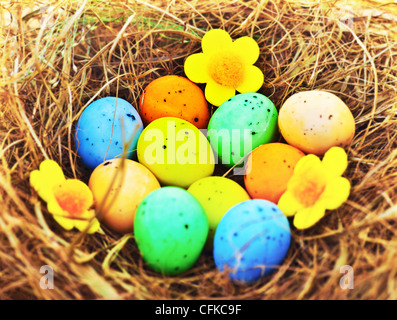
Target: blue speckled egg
x,y
103,129
251,239
241,124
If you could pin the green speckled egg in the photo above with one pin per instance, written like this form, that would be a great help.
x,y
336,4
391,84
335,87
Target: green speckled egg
x,y
170,230
241,124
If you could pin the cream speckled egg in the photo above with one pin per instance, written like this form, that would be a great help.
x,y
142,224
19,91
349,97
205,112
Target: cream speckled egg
x,y
314,121
119,186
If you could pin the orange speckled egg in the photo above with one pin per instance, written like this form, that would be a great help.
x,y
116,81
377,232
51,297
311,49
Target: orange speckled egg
x,y
268,170
118,188
174,96
314,121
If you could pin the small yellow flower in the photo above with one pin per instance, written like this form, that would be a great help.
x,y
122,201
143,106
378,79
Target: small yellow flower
x,y
315,187
69,200
225,66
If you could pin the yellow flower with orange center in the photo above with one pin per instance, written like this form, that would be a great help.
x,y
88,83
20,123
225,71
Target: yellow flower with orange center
x,y
316,186
225,66
68,200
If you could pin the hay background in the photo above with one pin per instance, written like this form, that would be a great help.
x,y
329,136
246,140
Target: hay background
x,y
52,66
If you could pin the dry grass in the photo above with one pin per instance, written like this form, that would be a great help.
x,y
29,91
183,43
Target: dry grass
x,y
52,66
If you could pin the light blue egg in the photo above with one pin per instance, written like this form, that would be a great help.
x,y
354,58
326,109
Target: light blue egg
x,y
251,240
103,129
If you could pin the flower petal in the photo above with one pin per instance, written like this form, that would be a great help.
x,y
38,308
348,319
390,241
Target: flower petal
x,y
253,80
335,193
247,48
55,209
307,217
196,68
73,196
288,204
67,224
92,224
217,94
307,168
214,40
95,226
307,163
335,161
44,179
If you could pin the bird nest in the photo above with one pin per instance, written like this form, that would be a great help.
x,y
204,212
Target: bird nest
x,y
58,57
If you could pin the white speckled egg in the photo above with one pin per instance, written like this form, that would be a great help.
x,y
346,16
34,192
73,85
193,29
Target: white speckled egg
x,y
314,121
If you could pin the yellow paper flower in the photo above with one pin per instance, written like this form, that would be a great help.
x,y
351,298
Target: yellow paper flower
x,y
69,200
225,66
316,186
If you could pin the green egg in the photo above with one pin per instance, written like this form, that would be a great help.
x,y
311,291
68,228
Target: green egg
x,y
170,230
241,124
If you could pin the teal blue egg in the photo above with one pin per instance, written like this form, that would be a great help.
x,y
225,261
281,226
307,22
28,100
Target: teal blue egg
x,y
241,124
170,230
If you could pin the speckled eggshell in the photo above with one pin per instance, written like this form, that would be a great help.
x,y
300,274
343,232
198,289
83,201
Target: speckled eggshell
x,y
170,230
174,96
217,195
314,121
118,187
176,152
268,170
102,129
251,240
241,124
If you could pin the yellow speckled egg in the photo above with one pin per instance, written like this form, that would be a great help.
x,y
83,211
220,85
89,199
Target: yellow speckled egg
x,y
175,151
314,121
217,195
118,187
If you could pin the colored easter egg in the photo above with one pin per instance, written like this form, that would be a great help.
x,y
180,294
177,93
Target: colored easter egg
x,y
118,187
314,121
268,170
174,96
217,195
251,240
175,151
103,128
170,230
241,124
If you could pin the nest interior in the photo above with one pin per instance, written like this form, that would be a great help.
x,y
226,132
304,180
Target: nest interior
x,y
57,57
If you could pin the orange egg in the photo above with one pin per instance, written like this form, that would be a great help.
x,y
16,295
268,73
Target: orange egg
x,y
268,170
118,188
174,96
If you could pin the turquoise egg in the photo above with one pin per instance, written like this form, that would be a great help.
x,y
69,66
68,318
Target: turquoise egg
x,y
170,230
104,127
241,124
251,240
